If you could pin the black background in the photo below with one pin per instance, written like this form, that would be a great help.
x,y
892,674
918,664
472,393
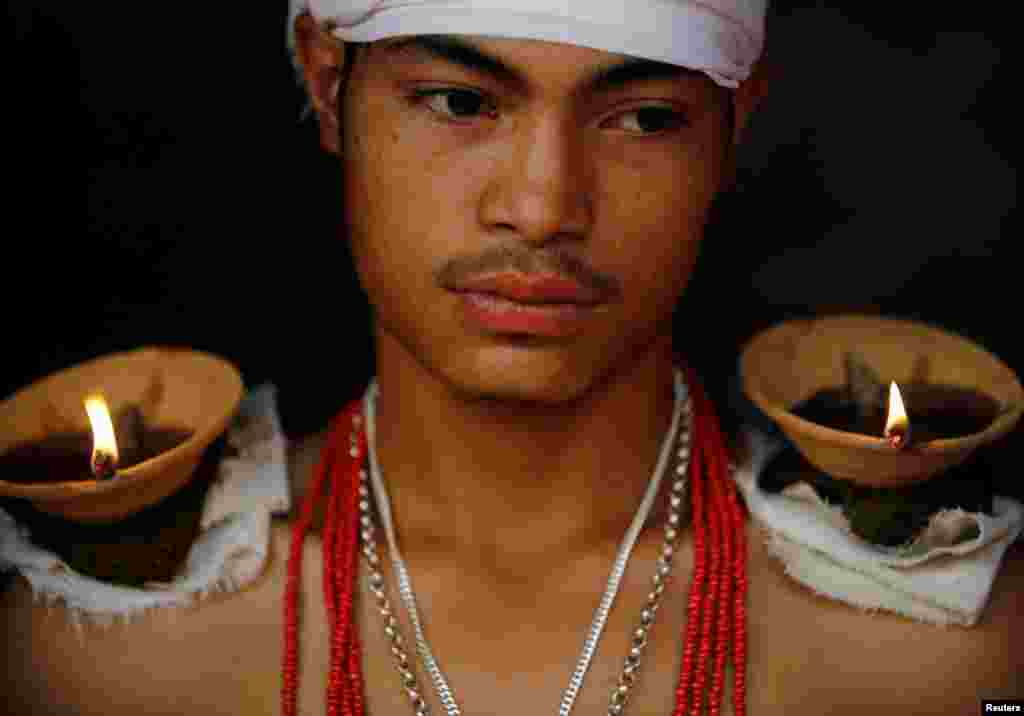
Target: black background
x,y
876,177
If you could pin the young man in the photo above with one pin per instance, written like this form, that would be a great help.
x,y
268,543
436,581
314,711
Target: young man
x,y
498,156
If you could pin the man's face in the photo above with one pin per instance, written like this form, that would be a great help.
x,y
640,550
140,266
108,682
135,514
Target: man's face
x,y
456,174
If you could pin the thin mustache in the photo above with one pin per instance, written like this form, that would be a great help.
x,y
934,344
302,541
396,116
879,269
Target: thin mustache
x,y
503,259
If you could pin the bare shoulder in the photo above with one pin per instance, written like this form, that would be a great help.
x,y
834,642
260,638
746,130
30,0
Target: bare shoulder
x,y
1001,643
814,650
986,660
220,655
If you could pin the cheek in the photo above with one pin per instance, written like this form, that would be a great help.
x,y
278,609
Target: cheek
x,y
657,277
378,204
410,199
660,223
399,237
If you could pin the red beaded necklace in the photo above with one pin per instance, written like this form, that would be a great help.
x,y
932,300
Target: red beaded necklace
x,y
717,513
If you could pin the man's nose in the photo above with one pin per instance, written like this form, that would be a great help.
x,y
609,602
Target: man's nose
x,y
541,187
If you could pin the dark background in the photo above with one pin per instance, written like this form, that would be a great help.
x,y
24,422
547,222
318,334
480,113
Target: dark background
x,y
876,178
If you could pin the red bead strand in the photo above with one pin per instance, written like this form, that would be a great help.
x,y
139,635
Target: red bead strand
x,y
738,513
719,489
329,546
738,517
290,671
352,687
715,567
334,557
697,583
345,496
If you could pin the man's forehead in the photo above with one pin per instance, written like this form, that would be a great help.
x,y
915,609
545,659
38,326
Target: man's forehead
x,y
508,60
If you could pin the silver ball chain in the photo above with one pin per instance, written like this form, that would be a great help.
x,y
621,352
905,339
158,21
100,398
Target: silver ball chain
x,y
627,679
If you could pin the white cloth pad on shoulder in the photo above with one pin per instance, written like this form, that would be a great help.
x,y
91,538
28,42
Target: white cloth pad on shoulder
x,y
229,553
942,577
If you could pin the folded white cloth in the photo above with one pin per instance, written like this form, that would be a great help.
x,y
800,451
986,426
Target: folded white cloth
x,y
229,553
721,38
818,549
257,479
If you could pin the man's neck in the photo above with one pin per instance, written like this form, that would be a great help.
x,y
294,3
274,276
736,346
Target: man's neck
x,y
525,482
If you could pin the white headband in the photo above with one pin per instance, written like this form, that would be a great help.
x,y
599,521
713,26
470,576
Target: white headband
x,y
722,38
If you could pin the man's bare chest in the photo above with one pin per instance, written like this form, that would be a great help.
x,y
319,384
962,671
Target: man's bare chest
x,y
515,653
513,649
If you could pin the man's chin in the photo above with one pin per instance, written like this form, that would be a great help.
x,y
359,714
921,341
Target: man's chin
x,y
523,370
520,377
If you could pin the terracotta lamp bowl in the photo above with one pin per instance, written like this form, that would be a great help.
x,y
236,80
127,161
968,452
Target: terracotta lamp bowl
x,y
792,361
174,388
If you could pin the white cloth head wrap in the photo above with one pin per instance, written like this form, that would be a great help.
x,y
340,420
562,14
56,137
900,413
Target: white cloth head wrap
x,y
722,38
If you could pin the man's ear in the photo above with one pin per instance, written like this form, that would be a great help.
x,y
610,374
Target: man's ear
x,y
749,95
322,57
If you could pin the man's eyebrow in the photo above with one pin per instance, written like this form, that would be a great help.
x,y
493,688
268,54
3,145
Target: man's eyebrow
x,y
456,51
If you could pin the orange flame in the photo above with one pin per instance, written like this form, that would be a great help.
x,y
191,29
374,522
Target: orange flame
x,y
104,443
897,422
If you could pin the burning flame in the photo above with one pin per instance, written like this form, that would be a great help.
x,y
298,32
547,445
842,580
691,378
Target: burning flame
x,y
897,423
104,444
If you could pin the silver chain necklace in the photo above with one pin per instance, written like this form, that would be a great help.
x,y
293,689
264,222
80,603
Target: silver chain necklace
x,y
620,695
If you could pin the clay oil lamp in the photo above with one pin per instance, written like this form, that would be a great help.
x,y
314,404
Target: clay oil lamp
x,y
886,418
880,402
104,439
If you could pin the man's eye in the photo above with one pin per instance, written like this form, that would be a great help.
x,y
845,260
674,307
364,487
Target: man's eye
x,y
650,120
454,103
461,104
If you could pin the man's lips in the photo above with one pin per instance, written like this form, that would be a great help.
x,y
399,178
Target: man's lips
x,y
532,289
